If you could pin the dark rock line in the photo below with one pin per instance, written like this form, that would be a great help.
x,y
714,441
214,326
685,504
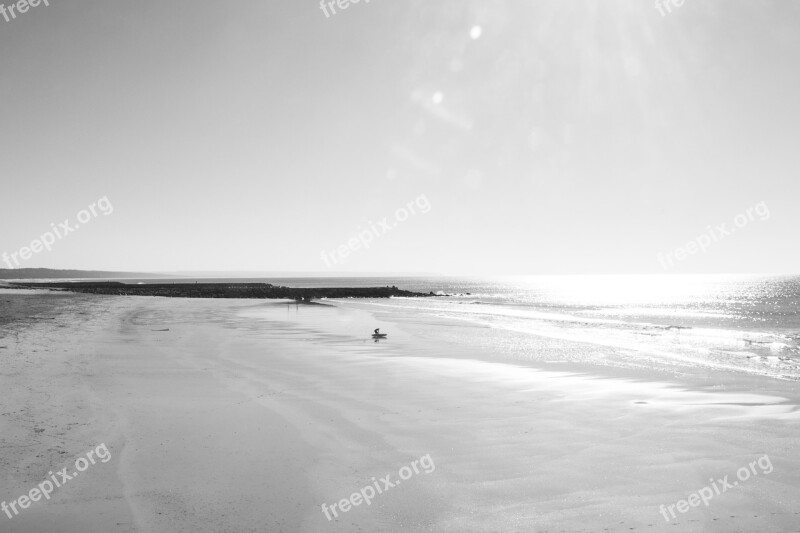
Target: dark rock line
x,y
223,290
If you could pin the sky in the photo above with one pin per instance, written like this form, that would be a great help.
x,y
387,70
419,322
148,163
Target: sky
x,y
457,137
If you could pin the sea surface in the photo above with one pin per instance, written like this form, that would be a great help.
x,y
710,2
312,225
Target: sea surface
x,y
739,323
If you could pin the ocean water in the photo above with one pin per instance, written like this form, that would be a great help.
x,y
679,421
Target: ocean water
x,y
738,323
748,324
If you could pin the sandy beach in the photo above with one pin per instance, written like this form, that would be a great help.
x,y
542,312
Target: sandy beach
x,y
245,416
572,223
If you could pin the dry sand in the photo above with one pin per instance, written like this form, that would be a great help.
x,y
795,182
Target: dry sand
x,y
246,416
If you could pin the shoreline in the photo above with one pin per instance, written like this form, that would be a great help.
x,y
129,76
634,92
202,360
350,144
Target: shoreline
x,y
244,415
550,345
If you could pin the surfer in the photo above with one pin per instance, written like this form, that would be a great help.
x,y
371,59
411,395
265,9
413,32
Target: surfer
x,y
377,331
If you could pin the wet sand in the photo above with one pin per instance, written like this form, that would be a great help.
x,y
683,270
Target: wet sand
x,y
248,416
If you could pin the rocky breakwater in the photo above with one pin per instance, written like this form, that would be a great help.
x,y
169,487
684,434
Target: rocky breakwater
x,y
223,290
